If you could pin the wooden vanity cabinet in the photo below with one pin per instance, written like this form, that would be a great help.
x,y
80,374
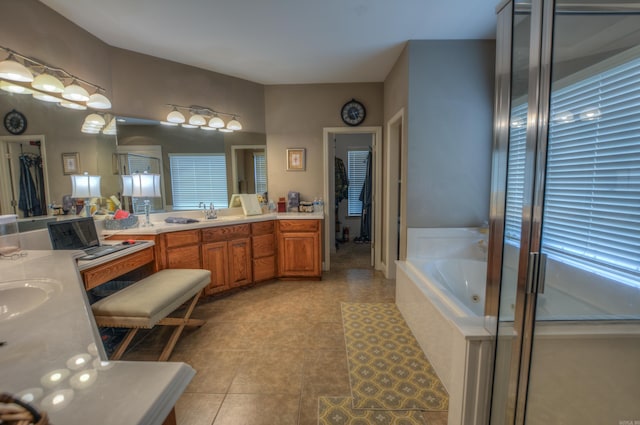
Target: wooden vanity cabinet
x,y
263,244
226,252
182,250
299,254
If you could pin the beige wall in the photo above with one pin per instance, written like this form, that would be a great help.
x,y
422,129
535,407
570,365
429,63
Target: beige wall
x,y
396,87
143,85
32,29
295,117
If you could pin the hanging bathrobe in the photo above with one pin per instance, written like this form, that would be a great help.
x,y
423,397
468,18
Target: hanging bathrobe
x,y
365,198
29,201
342,181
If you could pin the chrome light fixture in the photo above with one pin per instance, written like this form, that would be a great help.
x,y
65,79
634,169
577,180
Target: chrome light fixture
x,y
75,92
72,105
12,70
14,88
48,83
98,101
216,122
203,117
197,119
234,124
175,117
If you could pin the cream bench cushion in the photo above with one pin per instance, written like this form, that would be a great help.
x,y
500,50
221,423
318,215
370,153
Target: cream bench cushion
x,y
151,299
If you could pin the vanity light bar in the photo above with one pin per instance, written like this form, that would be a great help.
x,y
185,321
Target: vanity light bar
x,y
18,71
203,117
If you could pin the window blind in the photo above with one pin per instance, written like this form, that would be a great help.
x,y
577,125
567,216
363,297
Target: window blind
x,y
357,172
198,178
592,193
260,172
592,188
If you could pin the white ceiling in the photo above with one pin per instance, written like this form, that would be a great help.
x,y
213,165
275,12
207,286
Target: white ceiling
x,y
281,41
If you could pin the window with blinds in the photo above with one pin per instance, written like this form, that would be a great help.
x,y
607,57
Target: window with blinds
x,y
198,178
357,172
260,172
592,189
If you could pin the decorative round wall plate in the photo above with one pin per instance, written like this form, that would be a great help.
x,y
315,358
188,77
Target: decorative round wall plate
x,y
15,122
353,113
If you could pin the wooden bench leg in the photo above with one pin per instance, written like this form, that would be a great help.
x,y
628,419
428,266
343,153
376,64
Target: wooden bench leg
x,y
180,323
124,344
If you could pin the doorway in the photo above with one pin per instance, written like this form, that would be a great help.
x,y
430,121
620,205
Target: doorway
x,y
25,188
347,137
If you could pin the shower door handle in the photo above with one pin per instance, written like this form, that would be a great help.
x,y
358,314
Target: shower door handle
x,y
536,273
542,273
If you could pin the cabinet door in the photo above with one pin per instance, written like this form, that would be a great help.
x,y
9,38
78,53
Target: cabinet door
x,y
186,257
264,268
299,254
214,259
239,251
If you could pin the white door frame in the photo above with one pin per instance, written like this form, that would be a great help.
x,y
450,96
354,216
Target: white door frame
x,y
5,186
395,153
376,132
234,164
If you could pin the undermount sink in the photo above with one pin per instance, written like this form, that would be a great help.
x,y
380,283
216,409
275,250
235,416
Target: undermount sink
x,y
18,297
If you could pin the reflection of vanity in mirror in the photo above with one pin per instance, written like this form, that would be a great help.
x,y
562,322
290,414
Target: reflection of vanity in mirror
x,y
57,131
238,160
51,131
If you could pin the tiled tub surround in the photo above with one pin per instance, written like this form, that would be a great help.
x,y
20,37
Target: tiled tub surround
x,y
450,325
54,352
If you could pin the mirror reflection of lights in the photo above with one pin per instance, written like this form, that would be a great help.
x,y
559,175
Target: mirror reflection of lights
x,y
563,117
92,349
78,361
54,377
57,400
83,379
590,114
30,395
518,123
102,365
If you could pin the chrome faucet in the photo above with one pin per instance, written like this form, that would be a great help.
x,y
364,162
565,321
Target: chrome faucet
x,y
209,213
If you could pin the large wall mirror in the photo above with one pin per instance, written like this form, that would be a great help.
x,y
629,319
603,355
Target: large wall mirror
x,y
51,148
238,160
53,135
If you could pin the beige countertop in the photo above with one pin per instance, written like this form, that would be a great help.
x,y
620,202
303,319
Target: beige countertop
x,y
53,357
225,218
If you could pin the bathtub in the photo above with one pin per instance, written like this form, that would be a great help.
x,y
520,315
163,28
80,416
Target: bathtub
x,y
442,284
440,291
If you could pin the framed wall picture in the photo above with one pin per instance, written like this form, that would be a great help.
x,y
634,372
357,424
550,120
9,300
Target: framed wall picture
x,y
71,163
296,159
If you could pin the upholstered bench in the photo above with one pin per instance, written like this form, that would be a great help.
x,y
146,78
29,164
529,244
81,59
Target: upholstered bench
x,y
148,302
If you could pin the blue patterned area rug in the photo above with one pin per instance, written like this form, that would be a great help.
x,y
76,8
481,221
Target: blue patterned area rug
x,y
387,368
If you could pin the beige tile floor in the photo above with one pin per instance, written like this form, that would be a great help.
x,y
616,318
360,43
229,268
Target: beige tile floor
x,y
267,352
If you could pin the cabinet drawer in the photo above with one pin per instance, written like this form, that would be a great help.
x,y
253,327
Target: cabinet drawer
x,y
187,237
263,245
105,272
262,227
186,257
225,233
299,225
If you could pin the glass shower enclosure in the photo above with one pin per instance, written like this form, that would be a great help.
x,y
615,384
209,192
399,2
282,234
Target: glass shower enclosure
x,y
564,269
